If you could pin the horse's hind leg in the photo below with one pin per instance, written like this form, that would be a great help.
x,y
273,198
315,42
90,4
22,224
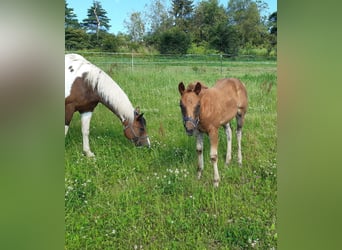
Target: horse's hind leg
x,y
240,117
228,131
199,149
85,119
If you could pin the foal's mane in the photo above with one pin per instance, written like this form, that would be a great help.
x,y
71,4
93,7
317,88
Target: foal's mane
x,y
109,91
191,86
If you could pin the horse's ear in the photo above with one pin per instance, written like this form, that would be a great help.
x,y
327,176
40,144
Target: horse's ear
x,y
198,88
140,116
181,88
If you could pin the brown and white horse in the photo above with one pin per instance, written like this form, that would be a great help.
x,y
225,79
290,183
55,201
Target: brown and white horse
x,y
206,109
85,86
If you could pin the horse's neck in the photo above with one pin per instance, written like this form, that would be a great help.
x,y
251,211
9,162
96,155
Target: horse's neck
x,y
122,116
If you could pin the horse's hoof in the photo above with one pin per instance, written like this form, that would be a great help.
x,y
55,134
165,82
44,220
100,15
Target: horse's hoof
x,y
216,183
89,154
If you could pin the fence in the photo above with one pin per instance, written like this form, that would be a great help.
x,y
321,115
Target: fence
x,y
134,60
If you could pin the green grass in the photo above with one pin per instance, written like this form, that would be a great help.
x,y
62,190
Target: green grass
x,y
139,198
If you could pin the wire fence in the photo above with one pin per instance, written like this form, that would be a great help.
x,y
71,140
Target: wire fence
x,y
133,60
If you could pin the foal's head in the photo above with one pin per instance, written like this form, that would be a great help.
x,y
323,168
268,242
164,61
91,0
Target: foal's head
x,y
190,105
136,132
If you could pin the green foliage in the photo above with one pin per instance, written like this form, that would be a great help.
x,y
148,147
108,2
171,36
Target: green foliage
x,y
174,41
76,39
139,198
225,39
182,12
135,27
245,15
208,25
70,19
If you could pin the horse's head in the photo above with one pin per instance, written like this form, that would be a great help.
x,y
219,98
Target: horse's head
x,y
190,105
136,132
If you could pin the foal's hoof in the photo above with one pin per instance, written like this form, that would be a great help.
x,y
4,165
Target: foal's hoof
x,y
216,183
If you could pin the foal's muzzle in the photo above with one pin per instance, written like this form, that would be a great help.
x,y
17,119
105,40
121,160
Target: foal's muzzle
x,y
190,125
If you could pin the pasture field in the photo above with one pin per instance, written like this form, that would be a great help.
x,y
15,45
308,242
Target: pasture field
x,y
140,198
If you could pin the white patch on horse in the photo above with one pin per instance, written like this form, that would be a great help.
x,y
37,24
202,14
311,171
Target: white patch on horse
x,y
75,66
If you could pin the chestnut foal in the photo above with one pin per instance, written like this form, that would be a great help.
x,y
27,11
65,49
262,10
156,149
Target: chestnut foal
x,y
205,109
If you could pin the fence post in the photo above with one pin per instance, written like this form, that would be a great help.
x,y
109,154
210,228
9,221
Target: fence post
x,y
221,56
132,63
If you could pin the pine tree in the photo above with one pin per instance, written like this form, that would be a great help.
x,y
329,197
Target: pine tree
x,y
182,11
96,20
70,19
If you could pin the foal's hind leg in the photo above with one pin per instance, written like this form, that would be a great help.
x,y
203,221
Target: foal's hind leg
x,y
228,131
240,117
85,118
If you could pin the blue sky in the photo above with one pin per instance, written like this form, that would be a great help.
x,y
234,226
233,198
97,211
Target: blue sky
x,y
119,10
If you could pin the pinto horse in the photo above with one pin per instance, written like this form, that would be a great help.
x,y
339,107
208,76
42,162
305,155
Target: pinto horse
x,y
205,109
85,86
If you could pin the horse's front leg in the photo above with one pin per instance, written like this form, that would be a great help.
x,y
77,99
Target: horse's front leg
x,y
85,119
199,149
213,136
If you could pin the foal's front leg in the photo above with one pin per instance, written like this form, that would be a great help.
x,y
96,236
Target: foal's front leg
x,y
213,136
199,149
85,119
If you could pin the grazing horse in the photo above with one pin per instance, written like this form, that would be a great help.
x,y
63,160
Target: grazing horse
x,y
85,86
205,109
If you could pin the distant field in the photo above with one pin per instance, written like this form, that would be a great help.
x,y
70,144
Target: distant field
x,y
139,198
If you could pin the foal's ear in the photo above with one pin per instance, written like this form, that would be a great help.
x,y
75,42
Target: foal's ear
x,y
198,88
140,116
181,88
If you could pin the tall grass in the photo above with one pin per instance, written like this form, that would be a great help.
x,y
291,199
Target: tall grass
x,y
139,198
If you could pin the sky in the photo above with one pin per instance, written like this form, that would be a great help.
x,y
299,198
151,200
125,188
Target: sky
x,y
119,10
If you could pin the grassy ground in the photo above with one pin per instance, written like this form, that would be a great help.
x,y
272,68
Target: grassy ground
x,y
139,198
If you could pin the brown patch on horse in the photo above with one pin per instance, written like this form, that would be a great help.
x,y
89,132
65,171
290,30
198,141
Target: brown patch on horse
x,y
82,98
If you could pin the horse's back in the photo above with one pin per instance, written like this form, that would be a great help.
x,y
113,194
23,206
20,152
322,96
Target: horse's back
x,y
235,89
75,66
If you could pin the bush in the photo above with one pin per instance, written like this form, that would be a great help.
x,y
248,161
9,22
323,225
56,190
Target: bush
x,y
174,41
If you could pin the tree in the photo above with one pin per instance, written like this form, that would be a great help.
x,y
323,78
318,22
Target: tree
x,y
245,15
157,17
70,18
225,38
182,11
272,24
135,27
76,39
174,41
272,20
96,19
208,15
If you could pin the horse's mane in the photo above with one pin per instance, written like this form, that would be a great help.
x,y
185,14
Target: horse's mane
x,y
191,86
109,91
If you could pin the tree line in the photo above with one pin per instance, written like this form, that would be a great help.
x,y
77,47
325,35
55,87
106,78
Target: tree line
x,y
181,28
